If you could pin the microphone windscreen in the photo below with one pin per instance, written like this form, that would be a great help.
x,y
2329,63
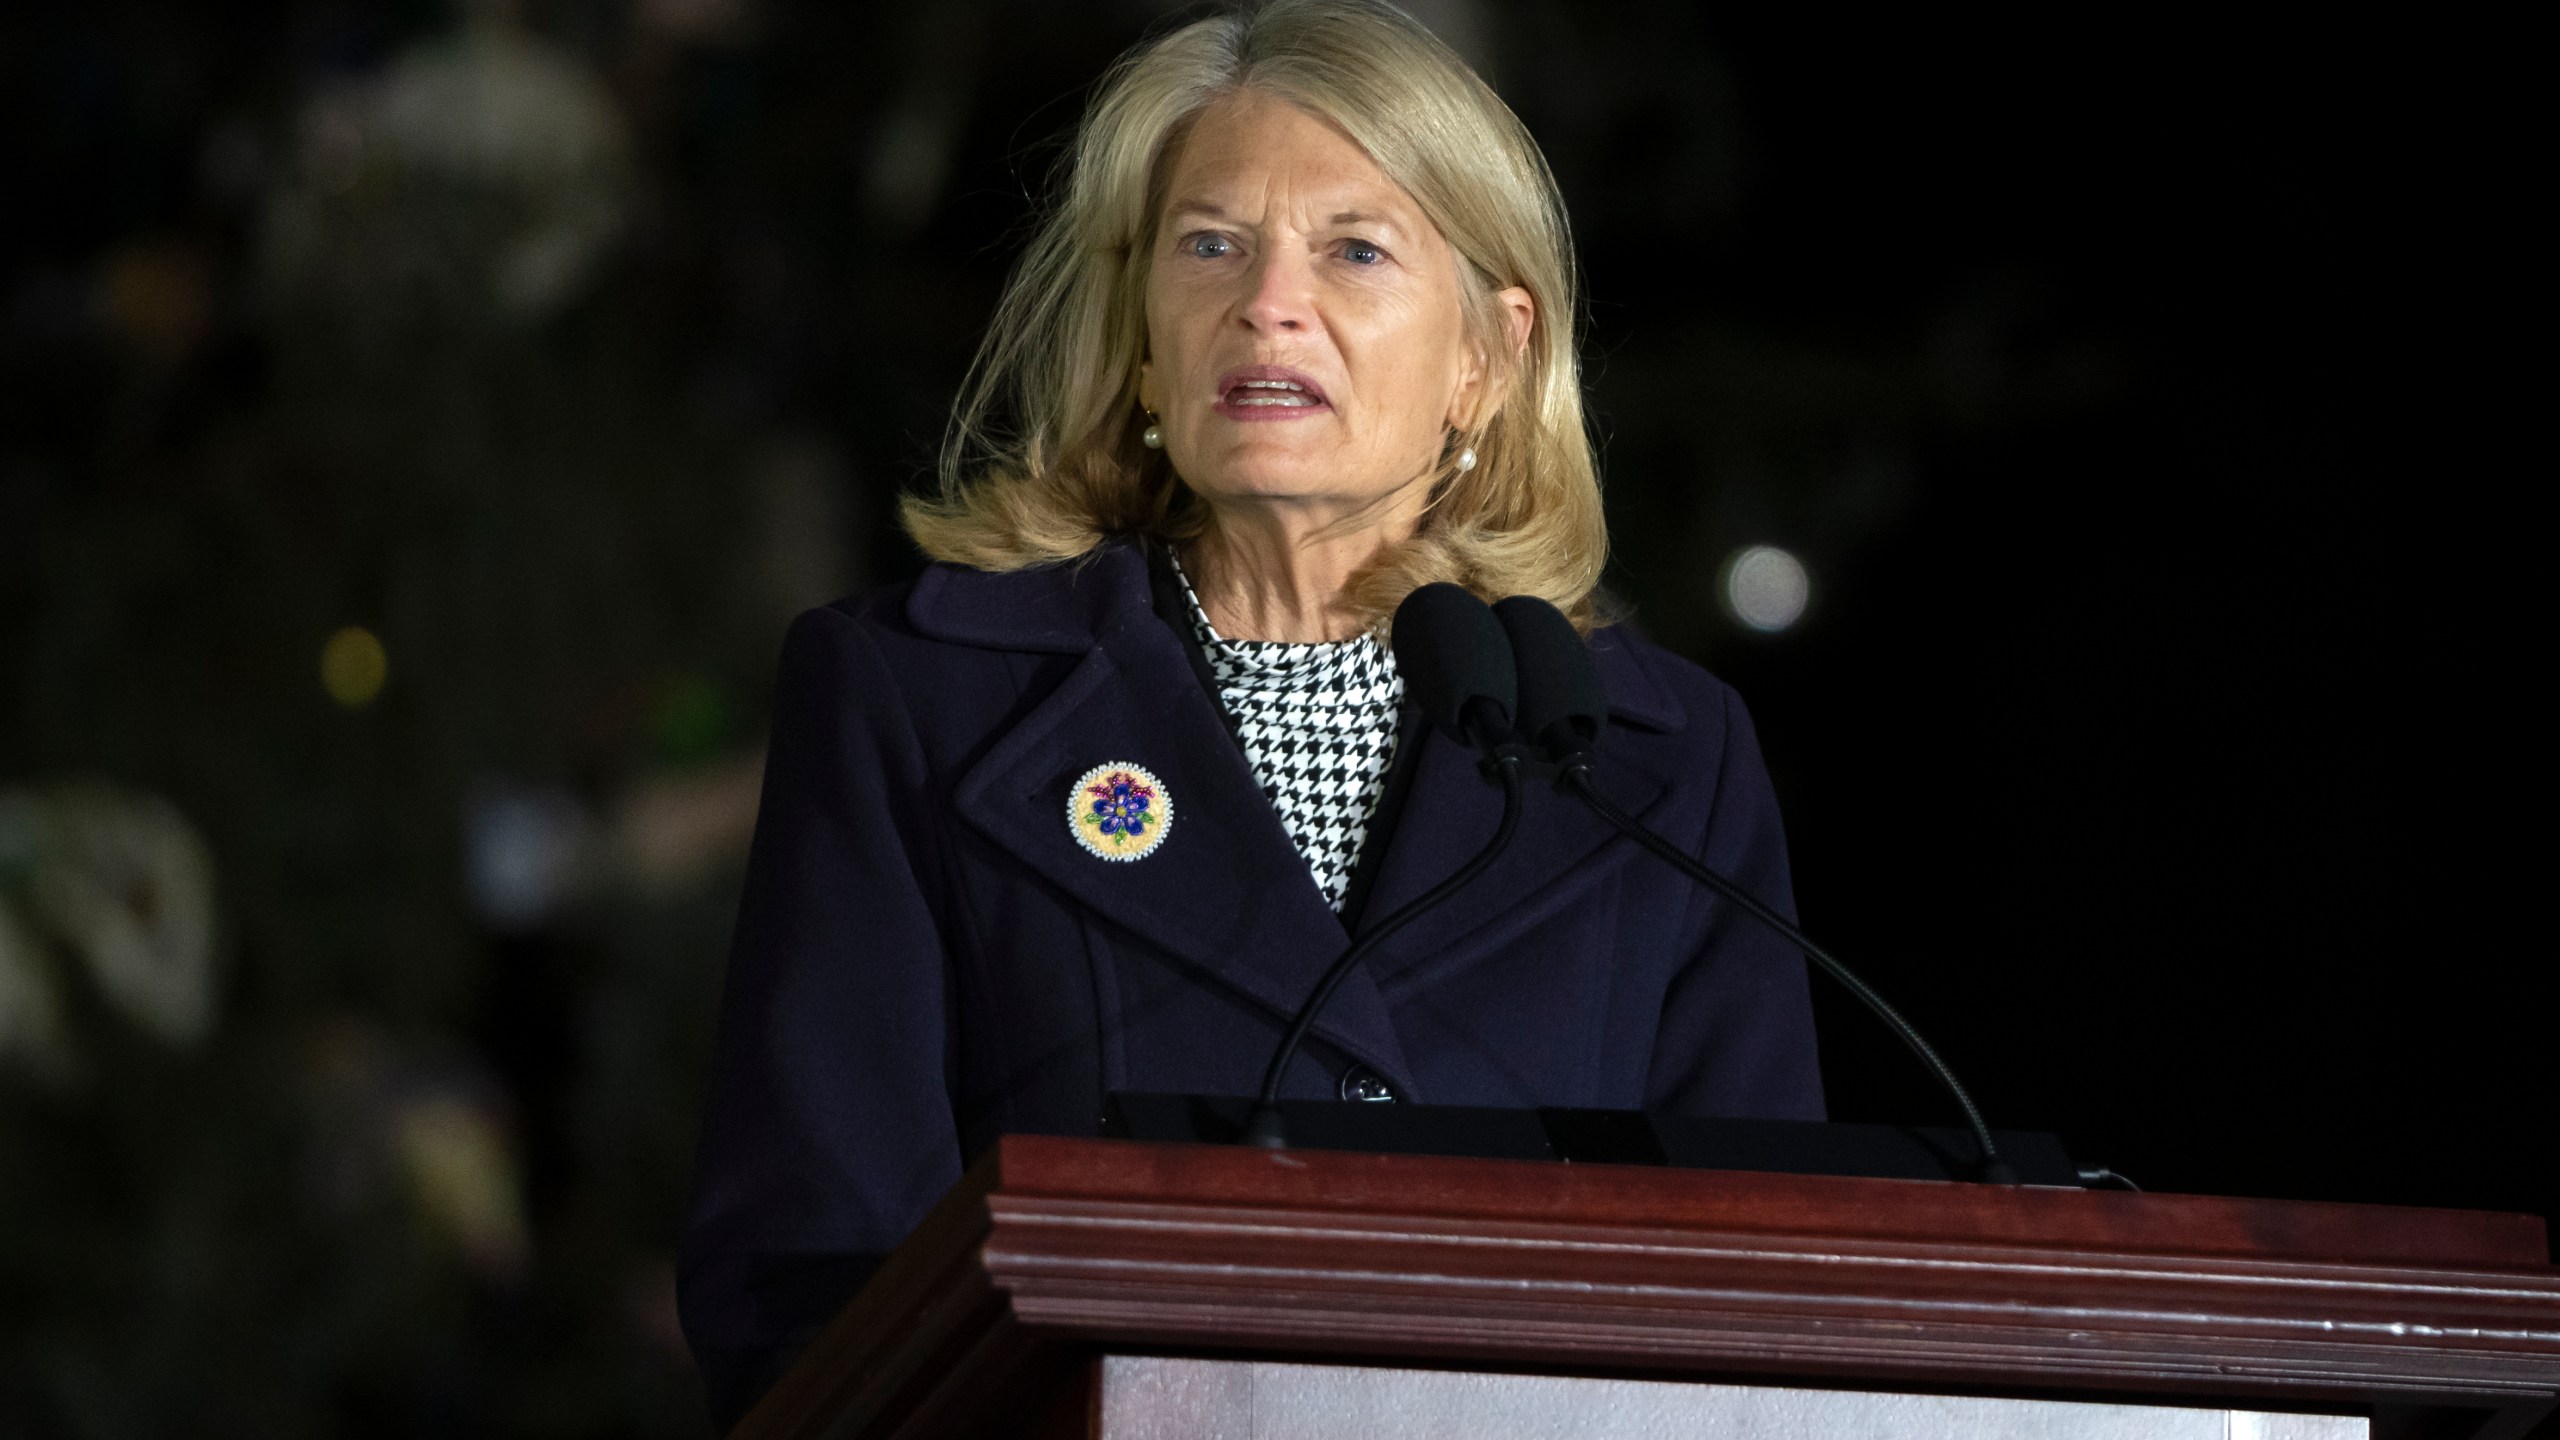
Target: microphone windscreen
x,y
1559,682
1452,653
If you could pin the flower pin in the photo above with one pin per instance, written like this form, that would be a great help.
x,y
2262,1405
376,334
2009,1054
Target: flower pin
x,y
1119,811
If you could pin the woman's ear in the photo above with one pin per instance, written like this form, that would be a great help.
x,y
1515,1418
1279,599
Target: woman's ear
x,y
1146,383
1517,312
1519,317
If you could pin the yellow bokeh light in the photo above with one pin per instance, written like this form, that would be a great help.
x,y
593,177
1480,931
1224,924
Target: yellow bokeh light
x,y
353,666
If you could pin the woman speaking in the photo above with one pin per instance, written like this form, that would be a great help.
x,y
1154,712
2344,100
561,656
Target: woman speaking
x,y
1094,803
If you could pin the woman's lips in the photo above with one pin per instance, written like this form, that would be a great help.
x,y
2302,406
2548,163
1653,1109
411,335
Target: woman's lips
x,y
1269,392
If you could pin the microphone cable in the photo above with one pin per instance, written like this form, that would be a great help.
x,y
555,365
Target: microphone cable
x,y
1577,774
1265,1128
1562,708
1459,671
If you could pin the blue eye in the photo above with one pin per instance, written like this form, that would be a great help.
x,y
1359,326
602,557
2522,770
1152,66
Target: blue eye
x,y
1361,252
1208,247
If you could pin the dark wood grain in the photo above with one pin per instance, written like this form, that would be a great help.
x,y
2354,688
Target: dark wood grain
x,y
1055,1248
1756,1202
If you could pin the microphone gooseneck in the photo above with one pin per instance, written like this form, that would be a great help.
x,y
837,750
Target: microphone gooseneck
x,y
1995,1170
1458,670
1560,693
1266,1128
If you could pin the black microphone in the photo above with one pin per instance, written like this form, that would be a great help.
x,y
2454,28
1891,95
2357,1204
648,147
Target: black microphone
x,y
1458,669
1561,705
1457,663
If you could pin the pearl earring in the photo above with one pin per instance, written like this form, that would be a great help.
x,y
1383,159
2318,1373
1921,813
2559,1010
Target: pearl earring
x,y
1152,437
1466,459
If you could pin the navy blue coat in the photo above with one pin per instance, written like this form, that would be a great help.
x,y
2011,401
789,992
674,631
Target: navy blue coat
x,y
926,959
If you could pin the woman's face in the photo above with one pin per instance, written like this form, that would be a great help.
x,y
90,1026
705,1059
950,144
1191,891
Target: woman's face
x,y
1305,324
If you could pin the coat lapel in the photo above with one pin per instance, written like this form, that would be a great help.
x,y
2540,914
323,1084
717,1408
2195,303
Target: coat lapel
x,y
1559,848
1225,891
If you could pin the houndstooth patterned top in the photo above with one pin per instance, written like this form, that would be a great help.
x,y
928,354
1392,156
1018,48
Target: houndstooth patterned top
x,y
1318,722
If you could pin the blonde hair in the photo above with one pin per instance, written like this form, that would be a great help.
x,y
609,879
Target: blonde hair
x,y
1063,352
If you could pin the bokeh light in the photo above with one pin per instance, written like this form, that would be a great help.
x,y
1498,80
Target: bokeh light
x,y
1764,588
353,667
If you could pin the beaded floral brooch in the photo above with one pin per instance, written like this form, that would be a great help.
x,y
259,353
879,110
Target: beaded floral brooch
x,y
1119,811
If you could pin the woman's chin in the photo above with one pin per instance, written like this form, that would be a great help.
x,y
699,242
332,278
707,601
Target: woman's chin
x,y
1293,482
1282,468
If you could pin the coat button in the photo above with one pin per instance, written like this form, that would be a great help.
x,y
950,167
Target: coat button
x,y
1364,1084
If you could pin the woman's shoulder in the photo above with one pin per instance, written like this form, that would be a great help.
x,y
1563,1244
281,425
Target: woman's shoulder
x,y
1658,689
1060,608
1674,719
949,654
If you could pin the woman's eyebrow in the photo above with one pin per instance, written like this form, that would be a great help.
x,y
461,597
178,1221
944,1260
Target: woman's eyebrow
x,y
1206,210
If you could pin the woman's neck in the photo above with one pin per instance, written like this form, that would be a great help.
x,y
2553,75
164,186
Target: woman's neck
x,y
1267,574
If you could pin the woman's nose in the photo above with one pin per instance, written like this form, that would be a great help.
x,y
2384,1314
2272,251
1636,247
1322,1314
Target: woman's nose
x,y
1280,300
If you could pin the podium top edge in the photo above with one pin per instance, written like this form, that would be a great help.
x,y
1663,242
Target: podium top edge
x,y
1139,1171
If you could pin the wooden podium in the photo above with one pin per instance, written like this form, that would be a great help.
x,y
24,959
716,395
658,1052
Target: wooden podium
x,y
1125,1289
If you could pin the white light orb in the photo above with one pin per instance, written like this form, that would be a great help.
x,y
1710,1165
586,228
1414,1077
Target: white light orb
x,y
1765,588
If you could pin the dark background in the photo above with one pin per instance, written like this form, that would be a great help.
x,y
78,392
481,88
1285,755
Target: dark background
x,y
2131,391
